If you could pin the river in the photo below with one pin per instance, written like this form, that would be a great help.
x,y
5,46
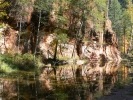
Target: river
x,y
89,81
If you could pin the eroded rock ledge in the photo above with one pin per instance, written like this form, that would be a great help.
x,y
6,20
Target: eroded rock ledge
x,y
98,46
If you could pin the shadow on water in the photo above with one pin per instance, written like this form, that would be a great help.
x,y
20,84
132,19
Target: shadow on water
x,y
69,82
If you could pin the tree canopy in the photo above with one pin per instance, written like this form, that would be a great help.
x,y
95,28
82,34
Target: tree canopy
x,y
70,16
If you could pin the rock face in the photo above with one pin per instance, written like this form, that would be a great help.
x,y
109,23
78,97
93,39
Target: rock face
x,y
99,45
102,45
91,44
45,46
21,7
8,40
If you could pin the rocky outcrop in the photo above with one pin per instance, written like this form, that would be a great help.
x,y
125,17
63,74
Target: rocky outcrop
x,y
102,46
87,43
45,46
23,10
8,41
99,46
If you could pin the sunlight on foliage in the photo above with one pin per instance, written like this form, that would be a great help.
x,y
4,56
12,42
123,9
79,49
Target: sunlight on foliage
x,y
19,62
3,6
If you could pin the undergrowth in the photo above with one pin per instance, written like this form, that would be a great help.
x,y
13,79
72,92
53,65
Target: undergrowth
x,y
9,62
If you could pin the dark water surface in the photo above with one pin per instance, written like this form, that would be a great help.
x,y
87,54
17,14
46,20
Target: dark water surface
x,y
69,82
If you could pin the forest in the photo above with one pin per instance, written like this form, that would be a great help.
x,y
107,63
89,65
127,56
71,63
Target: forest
x,y
61,29
37,34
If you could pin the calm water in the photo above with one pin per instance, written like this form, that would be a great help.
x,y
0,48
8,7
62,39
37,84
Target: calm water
x,y
68,82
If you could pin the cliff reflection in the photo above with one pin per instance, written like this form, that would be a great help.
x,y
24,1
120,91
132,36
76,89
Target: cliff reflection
x,y
81,82
69,82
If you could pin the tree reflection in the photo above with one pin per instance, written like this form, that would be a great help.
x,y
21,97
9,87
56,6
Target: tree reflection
x,y
87,81
70,82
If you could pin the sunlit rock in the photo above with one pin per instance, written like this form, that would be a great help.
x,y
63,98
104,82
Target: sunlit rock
x,y
1,29
68,50
80,62
8,40
45,46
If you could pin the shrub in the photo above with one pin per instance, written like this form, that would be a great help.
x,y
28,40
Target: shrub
x,y
20,61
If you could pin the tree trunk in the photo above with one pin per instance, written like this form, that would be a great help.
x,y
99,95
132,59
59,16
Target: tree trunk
x,y
130,47
124,40
107,9
55,53
37,35
20,29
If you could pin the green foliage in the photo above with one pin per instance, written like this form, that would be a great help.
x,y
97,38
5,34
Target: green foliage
x,y
61,20
129,10
115,15
98,11
60,95
18,9
101,5
61,36
3,6
1,26
80,8
123,4
79,5
98,20
19,61
126,23
43,5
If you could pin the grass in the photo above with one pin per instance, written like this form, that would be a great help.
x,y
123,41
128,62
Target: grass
x,y
10,63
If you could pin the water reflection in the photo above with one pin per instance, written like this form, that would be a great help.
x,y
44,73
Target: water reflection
x,y
69,82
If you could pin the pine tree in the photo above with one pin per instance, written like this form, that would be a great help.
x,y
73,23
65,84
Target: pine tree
x,y
3,5
98,13
40,6
126,29
115,15
129,11
123,3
